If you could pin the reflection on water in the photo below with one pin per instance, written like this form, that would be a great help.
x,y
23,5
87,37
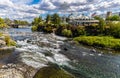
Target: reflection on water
x,y
37,49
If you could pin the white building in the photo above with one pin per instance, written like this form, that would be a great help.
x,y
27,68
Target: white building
x,y
81,20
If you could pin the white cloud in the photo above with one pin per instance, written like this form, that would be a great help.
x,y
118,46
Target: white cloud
x,y
23,9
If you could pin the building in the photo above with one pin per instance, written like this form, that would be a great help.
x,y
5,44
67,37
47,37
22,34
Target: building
x,y
81,20
108,14
104,16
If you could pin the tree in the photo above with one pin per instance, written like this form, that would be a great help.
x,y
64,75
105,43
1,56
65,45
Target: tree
x,y
2,23
115,29
8,21
48,18
113,18
37,20
16,21
56,19
102,23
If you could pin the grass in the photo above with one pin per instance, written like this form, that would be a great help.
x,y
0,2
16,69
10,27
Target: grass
x,y
9,41
99,41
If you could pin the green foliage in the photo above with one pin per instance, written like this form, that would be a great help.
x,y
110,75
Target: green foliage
x,y
48,18
8,21
20,22
113,18
34,28
52,72
9,41
67,32
56,19
37,20
48,29
101,25
81,30
103,41
115,29
2,23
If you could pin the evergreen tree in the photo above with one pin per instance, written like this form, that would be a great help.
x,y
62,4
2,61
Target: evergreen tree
x,y
48,18
56,19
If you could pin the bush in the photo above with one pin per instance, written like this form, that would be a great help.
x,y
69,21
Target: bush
x,y
48,29
9,41
115,30
67,33
81,30
34,28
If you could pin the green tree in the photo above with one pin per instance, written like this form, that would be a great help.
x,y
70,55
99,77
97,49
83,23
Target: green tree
x,y
67,32
37,20
16,21
48,18
113,18
56,19
2,23
8,21
102,23
115,29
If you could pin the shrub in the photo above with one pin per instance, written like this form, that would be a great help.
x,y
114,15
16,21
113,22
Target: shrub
x,y
115,30
48,29
34,28
67,32
9,41
81,30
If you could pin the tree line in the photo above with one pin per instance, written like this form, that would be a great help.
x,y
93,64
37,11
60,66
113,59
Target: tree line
x,y
7,22
53,23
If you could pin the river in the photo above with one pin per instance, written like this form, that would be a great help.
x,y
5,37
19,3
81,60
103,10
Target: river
x,y
36,49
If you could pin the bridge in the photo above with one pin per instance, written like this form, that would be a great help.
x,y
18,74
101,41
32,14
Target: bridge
x,y
18,26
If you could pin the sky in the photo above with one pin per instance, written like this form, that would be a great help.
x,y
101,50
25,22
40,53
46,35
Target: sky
x,y
29,9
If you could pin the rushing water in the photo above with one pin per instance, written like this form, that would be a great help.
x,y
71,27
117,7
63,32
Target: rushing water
x,y
38,49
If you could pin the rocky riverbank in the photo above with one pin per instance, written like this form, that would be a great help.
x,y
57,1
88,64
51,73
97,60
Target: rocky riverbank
x,y
16,71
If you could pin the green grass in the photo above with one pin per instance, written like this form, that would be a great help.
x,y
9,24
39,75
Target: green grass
x,y
9,41
99,41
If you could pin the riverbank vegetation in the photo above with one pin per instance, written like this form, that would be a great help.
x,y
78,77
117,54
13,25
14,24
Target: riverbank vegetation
x,y
6,23
99,41
7,39
99,32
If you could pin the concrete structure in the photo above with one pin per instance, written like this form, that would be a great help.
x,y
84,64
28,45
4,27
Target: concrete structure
x,y
81,20
109,14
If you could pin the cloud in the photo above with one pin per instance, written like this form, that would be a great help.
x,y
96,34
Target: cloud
x,y
23,9
79,5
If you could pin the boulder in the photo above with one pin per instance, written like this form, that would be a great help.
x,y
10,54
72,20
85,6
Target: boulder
x,y
2,43
2,38
17,71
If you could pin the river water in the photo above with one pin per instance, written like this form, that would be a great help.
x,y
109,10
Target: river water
x,y
37,50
